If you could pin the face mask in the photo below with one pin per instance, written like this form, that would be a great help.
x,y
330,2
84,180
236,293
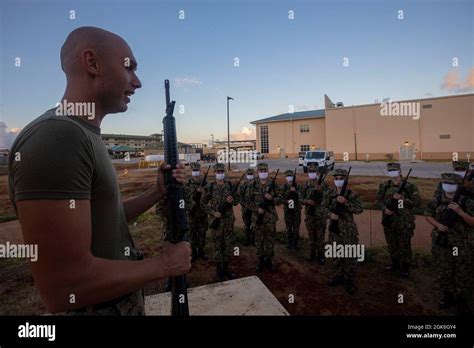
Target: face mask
x,y
196,173
312,175
289,179
338,183
393,173
449,188
220,176
263,176
249,177
461,174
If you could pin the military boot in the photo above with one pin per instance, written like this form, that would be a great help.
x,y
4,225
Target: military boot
x,y
261,264
405,272
321,259
295,242
194,254
394,266
227,272
447,301
337,280
220,272
269,265
202,254
312,255
290,242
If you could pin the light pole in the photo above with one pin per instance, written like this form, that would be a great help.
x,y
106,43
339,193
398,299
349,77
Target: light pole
x,y
228,132
212,137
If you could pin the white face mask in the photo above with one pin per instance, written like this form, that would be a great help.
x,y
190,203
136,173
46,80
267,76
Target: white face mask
x,y
338,183
263,176
220,176
249,177
196,173
312,175
449,188
461,174
393,173
289,179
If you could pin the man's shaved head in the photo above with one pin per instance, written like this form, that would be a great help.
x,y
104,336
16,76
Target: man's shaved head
x,y
100,68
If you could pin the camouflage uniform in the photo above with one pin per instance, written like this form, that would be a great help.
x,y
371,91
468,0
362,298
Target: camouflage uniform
x,y
458,166
246,212
265,233
292,211
197,217
223,235
454,271
347,233
315,216
402,227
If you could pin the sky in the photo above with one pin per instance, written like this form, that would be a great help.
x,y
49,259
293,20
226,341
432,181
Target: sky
x,y
282,61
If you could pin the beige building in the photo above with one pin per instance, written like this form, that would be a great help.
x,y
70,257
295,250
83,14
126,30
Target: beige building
x,y
430,128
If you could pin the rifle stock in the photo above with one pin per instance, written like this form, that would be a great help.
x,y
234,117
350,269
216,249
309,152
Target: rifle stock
x,y
265,202
339,207
393,205
224,206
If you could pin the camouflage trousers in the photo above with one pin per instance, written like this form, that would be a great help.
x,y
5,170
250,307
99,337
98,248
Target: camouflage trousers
x,y
344,266
454,273
292,223
316,228
131,304
398,239
247,219
265,239
198,227
223,239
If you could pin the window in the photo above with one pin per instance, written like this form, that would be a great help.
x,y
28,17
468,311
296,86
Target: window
x,y
304,148
304,128
445,136
264,139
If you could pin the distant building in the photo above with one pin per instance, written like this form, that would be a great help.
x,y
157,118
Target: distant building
x,y
443,126
137,142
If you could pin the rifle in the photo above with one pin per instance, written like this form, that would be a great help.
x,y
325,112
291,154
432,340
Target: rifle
x,y
316,195
393,205
339,207
224,206
177,222
293,195
449,217
265,203
197,195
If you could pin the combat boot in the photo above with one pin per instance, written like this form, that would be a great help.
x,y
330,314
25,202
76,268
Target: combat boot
x,y
337,280
312,255
405,272
203,255
295,242
447,301
321,259
269,265
350,287
394,266
261,264
220,272
228,273
290,243
194,254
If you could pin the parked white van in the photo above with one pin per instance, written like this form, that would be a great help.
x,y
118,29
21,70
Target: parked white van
x,y
322,157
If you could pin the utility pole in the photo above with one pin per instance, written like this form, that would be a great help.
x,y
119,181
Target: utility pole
x,y
228,132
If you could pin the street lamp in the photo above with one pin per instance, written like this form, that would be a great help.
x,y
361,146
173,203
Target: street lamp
x,y
212,137
228,132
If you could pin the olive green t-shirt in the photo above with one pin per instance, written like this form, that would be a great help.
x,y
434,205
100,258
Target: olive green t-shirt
x,y
64,157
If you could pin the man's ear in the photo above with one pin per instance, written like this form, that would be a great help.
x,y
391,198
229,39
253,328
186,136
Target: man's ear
x,y
90,61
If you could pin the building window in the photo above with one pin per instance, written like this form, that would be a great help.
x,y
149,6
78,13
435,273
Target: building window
x,y
304,128
304,148
445,136
264,139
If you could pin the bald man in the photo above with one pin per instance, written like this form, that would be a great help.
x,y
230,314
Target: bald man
x,y
64,189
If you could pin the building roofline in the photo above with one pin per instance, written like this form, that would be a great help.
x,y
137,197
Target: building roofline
x,y
268,119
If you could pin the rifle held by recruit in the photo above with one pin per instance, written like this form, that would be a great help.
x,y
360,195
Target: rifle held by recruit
x,y
339,207
197,195
317,195
265,202
393,204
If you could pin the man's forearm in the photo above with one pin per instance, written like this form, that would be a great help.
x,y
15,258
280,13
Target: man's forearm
x,y
136,206
103,280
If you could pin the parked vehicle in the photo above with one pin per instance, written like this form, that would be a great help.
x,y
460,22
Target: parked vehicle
x,y
322,157
301,155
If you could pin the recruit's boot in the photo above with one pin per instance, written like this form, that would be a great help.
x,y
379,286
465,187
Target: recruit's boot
x,y
261,264
350,287
312,255
394,266
405,272
337,280
295,241
269,265
447,301
227,272
248,237
202,254
220,272
321,259
290,243
194,254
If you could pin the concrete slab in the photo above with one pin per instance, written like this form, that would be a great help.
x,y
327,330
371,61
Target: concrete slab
x,y
244,296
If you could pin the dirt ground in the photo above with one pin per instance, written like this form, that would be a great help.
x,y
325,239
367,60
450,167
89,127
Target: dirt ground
x,y
378,291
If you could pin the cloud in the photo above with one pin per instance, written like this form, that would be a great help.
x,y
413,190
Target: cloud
x,y
7,136
245,134
186,82
453,82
